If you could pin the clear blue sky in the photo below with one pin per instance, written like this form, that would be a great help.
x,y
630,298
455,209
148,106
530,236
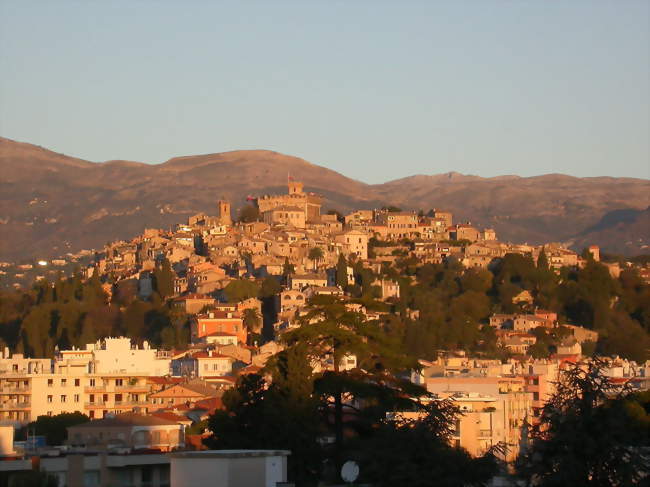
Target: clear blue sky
x,y
375,90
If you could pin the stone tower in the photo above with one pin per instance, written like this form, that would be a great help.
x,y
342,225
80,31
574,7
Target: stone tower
x,y
295,187
223,207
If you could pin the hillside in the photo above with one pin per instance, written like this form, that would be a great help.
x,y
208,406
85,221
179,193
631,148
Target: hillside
x,y
51,203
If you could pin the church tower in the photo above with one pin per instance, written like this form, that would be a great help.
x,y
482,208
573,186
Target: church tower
x,y
295,187
223,207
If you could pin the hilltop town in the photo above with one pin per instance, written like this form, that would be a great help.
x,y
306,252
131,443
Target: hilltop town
x,y
215,298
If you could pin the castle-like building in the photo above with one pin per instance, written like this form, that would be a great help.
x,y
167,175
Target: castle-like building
x,y
309,203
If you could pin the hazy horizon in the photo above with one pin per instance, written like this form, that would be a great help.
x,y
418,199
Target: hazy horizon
x,y
376,91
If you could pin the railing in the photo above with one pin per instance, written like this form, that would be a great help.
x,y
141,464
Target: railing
x,y
134,387
98,404
485,433
15,390
15,405
97,388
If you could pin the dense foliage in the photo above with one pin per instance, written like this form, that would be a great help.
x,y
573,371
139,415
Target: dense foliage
x,y
54,428
589,434
73,312
304,405
442,307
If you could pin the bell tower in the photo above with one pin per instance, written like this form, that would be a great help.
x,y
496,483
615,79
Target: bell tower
x,y
223,209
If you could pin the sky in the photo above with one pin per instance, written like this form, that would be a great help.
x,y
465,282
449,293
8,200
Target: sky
x,y
375,90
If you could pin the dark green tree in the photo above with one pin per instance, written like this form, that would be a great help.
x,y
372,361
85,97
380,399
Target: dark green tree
x,y
342,272
241,289
542,261
252,322
279,415
249,213
55,428
164,279
418,452
589,434
330,334
315,255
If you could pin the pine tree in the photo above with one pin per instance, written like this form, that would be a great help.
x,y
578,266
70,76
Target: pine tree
x,y
342,272
542,261
164,279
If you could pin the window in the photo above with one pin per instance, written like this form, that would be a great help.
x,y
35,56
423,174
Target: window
x,y
535,396
64,382
92,398
77,382
119,382
50,382
76,398
49,413
49,398
63,398
92,382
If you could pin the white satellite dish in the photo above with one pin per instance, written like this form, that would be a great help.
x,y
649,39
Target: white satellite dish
x,y
350,471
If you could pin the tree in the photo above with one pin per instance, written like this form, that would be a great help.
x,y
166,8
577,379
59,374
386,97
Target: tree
x,y
342,272
36,328
542,261
249,213
241,289
55,428
418,453
315,255
589,433
270,287
279,415
134,320
164,279
623,336
329,332
252,322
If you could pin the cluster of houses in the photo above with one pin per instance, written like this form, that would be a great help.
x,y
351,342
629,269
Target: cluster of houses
x,y
139,398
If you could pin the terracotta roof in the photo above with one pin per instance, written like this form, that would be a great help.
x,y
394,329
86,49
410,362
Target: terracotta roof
x,y
211,404
170,416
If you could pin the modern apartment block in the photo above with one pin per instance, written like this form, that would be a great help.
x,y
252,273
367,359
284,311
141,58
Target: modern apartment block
x,y
107,377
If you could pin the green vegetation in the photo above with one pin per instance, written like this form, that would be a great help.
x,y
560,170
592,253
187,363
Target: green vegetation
x,y
54,428
70,312
249,213
301,404
589,434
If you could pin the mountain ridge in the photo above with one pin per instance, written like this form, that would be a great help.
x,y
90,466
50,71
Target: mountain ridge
x,y
51,203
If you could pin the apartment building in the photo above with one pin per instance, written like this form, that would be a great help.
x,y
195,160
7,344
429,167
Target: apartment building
x,y
108,377
502,403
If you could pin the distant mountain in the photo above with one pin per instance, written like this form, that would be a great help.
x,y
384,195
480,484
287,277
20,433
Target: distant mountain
x,y
51,204
625,232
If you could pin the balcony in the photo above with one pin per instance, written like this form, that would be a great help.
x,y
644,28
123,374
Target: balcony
x,y
13,405
133,388
485,433
97,388
15,390
96,404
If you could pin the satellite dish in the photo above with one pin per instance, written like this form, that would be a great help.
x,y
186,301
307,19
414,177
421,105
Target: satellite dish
x,y
350,471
